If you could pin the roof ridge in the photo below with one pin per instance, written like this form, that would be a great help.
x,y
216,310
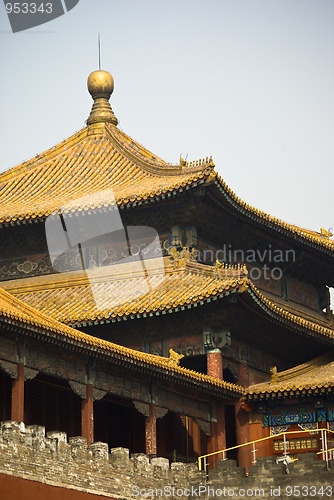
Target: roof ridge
x,y
329,332
305,367
47,155
79,278
320,238
298,378
154,164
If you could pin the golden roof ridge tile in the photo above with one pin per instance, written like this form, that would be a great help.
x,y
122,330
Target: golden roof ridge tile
x,y
155,162
328,332
26,165
307,234
68,297
298,377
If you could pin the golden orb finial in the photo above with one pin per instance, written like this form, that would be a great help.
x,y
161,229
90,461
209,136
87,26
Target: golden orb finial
x,y
100,86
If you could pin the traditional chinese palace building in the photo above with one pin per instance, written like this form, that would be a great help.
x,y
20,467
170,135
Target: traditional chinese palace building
x,y
143,304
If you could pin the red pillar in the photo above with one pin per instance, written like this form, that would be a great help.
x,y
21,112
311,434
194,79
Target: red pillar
x,y
242,422
18,395
242,432
217,440
212,445
215,363
221,428
195,435
87,415
151,431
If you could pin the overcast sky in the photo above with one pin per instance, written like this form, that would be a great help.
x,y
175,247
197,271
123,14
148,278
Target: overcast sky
x,y
249,82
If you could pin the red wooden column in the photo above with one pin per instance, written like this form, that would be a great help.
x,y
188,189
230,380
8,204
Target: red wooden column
x,y
221,428
195,435
18,394
242,422
212,445
87,415
217,440
215,369
151,431
242,432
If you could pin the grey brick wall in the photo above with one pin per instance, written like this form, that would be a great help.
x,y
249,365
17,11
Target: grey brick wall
x,y
26,452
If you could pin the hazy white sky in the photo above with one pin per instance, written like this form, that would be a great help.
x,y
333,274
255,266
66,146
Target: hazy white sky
x,y
249,82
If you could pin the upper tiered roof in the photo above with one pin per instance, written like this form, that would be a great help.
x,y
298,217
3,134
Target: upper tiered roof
x,y
97,158
101,157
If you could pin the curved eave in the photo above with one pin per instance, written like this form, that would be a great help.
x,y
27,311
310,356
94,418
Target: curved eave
x,y
261,304
141,362
290,392
191,182
194,175
312,378
181,305
27,320
249,294
163,179
272,223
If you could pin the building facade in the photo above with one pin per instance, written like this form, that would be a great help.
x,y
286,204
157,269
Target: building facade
x,y
145,305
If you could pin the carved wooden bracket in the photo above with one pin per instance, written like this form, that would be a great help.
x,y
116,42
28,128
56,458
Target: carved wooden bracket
x,y
143,408
78,388
30,373
9,368
204,426
98,394
160,412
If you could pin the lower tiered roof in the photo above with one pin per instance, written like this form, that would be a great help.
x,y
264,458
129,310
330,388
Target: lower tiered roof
x,y
107,296
314,377
19,316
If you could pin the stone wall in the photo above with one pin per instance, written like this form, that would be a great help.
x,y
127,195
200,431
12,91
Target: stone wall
x,y
308,478
26,452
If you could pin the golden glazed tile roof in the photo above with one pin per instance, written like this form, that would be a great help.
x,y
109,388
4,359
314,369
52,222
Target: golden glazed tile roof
x,y
90,162
300,311
315,376
14,311
321,238
69,297
277,310
101,157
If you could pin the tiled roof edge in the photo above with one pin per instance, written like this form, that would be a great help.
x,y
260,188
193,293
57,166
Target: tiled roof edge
x,y
267,219
43,322
263,301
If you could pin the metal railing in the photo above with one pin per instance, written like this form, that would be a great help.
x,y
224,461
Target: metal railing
x,y
327,454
